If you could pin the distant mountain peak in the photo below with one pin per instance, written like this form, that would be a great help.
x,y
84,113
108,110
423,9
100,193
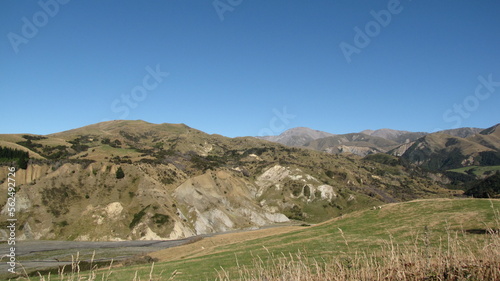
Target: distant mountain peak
x,y
297,136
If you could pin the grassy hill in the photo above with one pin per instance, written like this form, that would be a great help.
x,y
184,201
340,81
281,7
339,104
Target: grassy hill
x,y
179,182
405,234
440,151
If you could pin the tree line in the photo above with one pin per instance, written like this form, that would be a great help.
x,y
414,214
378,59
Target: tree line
x,y
20,157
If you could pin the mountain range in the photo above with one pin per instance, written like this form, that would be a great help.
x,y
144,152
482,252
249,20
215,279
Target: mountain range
x,y
138,180
367,142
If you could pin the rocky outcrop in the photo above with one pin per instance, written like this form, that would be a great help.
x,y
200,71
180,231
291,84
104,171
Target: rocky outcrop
x,y
217,202
73,202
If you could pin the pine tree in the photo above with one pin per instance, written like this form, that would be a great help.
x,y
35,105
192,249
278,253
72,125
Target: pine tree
x,y
119,173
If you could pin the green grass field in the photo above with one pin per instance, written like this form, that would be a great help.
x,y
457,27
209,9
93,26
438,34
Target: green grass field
x,y
366,231
477,170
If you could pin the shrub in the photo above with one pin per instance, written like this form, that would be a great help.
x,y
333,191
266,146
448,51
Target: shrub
x,y
307,191
329,173
119,173
294,213
160,219
137,217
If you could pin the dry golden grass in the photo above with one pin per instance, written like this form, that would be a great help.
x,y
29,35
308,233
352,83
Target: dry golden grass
x,y
452,261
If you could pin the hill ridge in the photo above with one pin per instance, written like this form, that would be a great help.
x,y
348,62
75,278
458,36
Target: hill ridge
x,y
176,181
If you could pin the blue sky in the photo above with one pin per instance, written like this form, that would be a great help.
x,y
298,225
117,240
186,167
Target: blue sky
x,y
241,67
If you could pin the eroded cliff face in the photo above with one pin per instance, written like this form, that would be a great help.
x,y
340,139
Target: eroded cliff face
x,y
159,201
151,202
218,201
28,176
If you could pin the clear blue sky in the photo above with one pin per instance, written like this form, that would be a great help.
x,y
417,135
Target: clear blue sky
x,y
234,67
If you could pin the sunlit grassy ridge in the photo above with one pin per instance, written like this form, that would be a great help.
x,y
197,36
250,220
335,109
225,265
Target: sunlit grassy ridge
x,y
429,236
477,170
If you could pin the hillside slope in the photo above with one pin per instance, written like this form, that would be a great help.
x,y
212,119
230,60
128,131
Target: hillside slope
x,y
356,143
297,136
395,135
439,151
178,182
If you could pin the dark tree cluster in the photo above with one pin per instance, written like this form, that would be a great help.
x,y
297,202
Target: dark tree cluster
x,y
486,188
9,155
